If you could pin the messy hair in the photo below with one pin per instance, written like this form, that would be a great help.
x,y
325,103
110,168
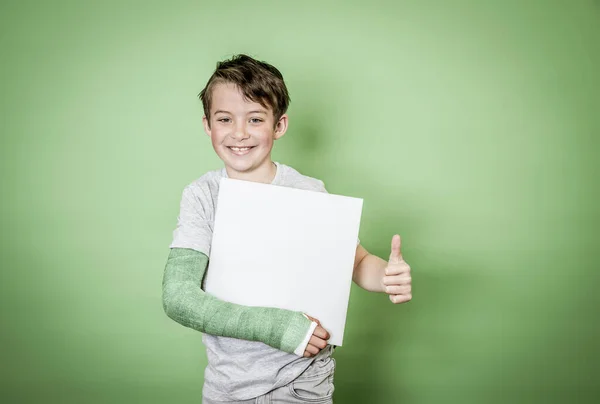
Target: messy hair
x,y
258,81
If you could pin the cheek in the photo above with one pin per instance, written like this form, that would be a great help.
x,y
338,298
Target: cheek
x,y
267,141
265,138
217,136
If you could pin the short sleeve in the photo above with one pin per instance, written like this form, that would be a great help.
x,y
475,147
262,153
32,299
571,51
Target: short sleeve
x,y
194,230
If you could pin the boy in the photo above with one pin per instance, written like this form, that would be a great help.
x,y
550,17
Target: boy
x,y
255,354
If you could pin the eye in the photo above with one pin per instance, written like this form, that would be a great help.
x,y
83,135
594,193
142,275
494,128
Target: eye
x,y
224,120
256,120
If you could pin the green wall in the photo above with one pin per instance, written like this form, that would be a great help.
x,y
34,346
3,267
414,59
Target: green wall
x,y
469,127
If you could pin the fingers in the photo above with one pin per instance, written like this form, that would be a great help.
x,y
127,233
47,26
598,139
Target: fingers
x,y
313,319
399,287
395,255
317,341
321,333
395,269
314,346
401,298
402,279
398,290
310,351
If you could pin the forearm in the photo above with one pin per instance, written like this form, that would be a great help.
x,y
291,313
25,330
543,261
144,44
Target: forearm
x,y
185,302
369,272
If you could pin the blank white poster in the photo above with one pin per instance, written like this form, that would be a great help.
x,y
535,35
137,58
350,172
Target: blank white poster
x,y
276,246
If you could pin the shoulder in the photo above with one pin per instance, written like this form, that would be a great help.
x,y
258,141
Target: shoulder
x,y
204,187
294,179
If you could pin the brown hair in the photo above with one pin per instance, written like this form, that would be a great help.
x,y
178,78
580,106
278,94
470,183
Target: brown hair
x,y
258,81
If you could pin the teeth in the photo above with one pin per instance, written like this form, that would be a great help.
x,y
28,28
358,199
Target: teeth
x,y
240,148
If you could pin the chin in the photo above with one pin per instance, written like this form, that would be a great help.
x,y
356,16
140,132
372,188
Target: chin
x,y
239,166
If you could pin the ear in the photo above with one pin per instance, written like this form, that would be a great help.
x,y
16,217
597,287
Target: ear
x,y
281,126
206,125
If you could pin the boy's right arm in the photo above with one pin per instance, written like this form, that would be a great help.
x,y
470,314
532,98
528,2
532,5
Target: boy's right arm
x,y
185,302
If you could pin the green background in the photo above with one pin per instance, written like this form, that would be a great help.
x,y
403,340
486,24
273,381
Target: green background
x,y
470,128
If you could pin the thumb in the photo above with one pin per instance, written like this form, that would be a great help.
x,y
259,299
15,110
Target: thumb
x,y
313,319
396,255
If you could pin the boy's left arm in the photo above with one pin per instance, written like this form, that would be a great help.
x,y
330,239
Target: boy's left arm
x,y
377,275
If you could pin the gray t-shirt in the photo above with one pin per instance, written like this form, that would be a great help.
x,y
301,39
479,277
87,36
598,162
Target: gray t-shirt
x,y
237,369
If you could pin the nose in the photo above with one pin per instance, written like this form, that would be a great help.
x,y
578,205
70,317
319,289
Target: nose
x,y
239,132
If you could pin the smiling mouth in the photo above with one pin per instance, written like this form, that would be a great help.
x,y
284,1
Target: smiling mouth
x,y
245,148
240,151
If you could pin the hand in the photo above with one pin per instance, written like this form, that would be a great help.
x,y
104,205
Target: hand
x,y
317,341
397,280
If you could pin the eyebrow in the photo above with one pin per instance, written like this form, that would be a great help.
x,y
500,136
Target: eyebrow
x,y
258,111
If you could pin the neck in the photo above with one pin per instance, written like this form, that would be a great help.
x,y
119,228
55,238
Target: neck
x,y
265,173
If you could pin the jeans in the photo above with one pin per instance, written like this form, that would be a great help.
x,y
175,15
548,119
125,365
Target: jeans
x,y
314,385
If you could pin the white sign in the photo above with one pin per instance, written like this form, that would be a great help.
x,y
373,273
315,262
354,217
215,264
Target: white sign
x,y
276,246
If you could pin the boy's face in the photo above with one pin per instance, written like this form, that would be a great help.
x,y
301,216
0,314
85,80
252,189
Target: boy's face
x,y
242,132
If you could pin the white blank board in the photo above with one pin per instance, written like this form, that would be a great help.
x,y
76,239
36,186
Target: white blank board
x,y
276,246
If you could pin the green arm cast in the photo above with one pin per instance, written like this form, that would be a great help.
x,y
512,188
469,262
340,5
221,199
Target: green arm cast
x,y
185,302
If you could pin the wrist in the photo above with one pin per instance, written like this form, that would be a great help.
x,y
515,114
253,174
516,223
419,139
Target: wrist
x,y
295,332
299,351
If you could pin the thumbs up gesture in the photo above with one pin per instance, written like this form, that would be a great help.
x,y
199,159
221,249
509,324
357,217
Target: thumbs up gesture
x,y
397,280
